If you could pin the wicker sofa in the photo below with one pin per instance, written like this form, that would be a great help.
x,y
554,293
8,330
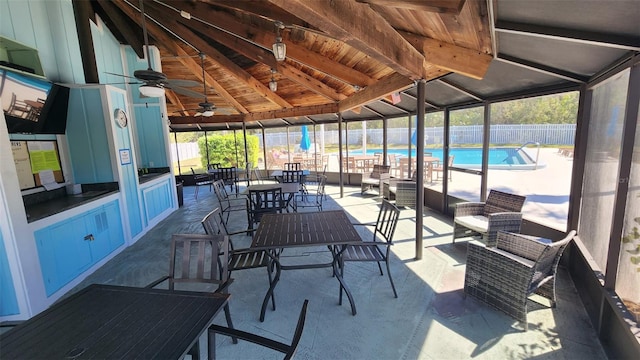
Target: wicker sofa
x,y
501,211
519,266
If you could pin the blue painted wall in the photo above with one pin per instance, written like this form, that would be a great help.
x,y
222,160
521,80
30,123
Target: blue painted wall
x,y
48,26
87,138
151,137
8,300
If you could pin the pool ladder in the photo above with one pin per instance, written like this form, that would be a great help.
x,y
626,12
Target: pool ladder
x,y
537,153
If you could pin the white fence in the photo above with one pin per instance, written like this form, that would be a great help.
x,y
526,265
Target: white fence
x,y
546,134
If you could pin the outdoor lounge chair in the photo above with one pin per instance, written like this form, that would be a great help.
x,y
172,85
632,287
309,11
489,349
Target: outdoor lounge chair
x,y
379,174
506,275
501,211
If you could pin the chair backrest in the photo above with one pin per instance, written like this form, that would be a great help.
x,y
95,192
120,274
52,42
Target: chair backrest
x,y
291,176
194,259
450,160
379,169
227,174
213,166
266,201
547,263
499,201
292,166
387,221
221,193
213,223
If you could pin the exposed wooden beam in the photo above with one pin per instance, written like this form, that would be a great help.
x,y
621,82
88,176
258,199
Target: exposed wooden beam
x,y
83,12
215,119
261,9
363,29
294,74
262,33
132,35
300,111
468,62
437,6
173,98
212,53
387,85
293,112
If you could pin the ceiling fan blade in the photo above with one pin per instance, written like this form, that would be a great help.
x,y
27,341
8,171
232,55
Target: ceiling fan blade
x,y
183,83
127,76
186,92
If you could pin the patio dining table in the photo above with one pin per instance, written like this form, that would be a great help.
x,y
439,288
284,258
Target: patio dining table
x,y
293,230
117,322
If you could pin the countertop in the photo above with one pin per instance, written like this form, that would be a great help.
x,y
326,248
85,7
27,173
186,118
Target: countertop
x,y
44,209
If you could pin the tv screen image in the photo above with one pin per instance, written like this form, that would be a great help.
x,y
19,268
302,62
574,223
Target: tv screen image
x,y
28,101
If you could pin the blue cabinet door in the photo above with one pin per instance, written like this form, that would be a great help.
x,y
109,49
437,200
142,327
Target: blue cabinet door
x,y
106,227
114,221
63,251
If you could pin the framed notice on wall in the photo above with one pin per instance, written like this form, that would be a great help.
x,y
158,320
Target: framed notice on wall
x,y
37,163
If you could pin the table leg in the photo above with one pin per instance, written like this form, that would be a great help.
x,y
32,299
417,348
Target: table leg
x,y
336,257
211,345
272,286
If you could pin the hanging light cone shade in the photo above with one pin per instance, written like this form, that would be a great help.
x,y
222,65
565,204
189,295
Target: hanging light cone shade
x,y
208,113
151,91
273,85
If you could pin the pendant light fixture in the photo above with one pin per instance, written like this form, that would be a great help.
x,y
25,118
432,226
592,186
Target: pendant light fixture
x,y
279,48
273,85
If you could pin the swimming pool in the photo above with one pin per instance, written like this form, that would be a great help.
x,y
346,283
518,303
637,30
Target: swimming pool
x,y
505,158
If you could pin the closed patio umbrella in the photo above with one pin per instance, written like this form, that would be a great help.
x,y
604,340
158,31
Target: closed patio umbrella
x,y
305,142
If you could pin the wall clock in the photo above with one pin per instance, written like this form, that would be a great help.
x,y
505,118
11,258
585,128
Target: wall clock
x,y
120,117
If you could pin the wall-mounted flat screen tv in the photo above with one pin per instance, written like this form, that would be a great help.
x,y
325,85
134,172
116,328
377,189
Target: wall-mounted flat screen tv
x,y
31,104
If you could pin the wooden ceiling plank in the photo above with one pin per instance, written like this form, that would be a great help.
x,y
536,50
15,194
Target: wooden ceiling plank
x,y
235,43
215,55
387,85
294,74
261,9
468,62
437,6
133,36
215,119
262,33
196,69
363,29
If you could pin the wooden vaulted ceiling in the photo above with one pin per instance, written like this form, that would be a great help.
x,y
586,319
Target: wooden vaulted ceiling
x,y
341,54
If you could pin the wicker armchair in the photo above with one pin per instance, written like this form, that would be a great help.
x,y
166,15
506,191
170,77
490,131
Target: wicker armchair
x,y
517,267
501,211
375,178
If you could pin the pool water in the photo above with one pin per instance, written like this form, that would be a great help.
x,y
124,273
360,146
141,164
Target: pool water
x,y
471,158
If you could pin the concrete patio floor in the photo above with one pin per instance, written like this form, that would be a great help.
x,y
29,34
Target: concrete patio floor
x,y
430,319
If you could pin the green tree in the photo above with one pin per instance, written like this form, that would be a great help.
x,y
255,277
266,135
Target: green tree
x,y
222,149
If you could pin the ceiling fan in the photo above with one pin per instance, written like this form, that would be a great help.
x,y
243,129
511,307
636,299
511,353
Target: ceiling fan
x,y
154,82
206,108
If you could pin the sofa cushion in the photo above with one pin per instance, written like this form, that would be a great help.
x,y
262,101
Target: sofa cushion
x,y
476,223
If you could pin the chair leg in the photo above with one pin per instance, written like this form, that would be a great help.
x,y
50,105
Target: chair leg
x,y
380,268
342,276
227,314
196,192
393,287
273,298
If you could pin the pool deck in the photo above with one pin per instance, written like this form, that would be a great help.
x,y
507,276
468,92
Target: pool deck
x,y
546,188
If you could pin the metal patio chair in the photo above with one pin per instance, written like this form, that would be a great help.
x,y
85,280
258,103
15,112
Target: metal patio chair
x,y
379,249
